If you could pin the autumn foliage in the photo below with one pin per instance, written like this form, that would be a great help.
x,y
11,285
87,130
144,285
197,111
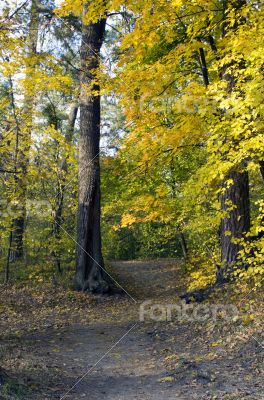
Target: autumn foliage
x,y
182,149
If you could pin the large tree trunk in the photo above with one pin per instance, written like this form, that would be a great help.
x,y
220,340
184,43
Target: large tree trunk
x,y
261,163
234,201
89,273
18,224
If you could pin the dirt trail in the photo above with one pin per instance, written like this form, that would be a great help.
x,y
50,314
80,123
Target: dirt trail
x,y
117,357
131,369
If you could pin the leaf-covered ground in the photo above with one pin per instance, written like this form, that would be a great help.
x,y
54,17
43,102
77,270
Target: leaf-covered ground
x,y
51,338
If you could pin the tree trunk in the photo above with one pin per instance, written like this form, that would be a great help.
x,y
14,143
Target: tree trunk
x,y
7,266
16,249
89,273
184,246
261,164
60,196
18,225
235,201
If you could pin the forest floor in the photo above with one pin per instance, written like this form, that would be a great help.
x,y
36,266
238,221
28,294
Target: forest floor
x,y
58,344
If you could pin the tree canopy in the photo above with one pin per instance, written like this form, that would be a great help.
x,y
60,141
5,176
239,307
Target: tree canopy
x,y
182,149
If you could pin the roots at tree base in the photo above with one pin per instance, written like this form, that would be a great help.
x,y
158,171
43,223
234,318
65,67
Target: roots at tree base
x,y
96,282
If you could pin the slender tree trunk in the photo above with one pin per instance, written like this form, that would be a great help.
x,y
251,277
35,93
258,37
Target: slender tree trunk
x,y
7,266
18,225
89,273
184,246
60,196
15,249
71,122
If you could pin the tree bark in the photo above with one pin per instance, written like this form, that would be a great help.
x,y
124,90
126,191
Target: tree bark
x,y
89,269
235,199
60,196
261,164
237,220
184,246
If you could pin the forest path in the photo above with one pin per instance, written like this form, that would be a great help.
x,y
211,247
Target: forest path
x,y
115,356
131,369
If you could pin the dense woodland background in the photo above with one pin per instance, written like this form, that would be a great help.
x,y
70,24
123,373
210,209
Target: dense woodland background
x,y
180,127
131,131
